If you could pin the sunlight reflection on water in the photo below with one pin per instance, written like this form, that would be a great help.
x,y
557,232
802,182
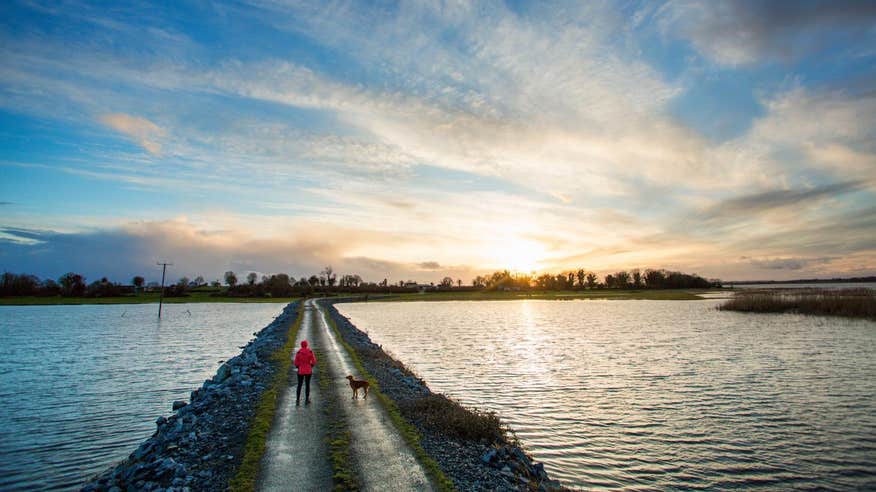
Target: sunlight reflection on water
x,y
668,394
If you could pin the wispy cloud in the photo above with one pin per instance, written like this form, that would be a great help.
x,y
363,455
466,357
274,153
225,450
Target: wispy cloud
x,y
747,31
787,263
744,207
146,133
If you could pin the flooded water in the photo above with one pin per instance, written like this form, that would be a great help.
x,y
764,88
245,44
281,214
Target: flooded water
x,y
654,394
826,286
81,386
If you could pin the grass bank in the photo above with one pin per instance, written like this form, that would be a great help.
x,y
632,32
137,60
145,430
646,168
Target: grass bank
x,y
847,303
247,474
493,295
145,298
407,431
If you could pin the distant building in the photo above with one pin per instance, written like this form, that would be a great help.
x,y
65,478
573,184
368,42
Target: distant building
x,y
420,287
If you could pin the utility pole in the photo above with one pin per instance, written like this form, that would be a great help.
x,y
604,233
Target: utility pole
x,y
161,293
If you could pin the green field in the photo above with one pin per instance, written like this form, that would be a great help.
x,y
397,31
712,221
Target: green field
x,y
485,295
145,298
661,295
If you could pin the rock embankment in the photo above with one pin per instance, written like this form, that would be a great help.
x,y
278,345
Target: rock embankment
x,y
200,445
472,465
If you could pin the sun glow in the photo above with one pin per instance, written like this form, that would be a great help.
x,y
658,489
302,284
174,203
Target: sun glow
x,y
518,255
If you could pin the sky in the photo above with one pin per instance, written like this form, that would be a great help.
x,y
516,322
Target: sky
x,y
417,140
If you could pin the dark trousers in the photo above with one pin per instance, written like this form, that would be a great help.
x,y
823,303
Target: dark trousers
x,y
306,379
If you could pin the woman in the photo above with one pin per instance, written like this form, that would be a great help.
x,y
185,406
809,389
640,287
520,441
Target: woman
x,y
304,361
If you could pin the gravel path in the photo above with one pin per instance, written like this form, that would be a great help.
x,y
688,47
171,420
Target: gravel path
x,y
296,457
383,460
296,454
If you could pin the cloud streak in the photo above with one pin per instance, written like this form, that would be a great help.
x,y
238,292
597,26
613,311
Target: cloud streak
x,y
748,31
146,133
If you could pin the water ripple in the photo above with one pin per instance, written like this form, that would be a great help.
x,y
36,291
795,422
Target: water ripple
x,y
646,395
81,386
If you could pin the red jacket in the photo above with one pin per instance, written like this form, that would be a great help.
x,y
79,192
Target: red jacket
x,y
305,360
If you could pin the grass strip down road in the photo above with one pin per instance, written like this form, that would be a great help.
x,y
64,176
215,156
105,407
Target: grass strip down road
x,y
343,473
247,474
408,432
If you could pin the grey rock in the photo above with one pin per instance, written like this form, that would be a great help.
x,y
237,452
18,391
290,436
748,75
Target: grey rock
x,y
178,404
489,456
223,373
520,455
540,471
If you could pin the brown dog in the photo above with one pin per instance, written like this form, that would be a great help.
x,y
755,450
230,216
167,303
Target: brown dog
x,y
355,384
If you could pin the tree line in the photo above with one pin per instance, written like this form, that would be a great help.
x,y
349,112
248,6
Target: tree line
x,y
327,280
582,279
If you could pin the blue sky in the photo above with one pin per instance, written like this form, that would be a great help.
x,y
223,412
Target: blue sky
x,y
416,140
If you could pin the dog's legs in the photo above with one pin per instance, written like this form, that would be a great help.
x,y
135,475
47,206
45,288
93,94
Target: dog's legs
x,y
366,393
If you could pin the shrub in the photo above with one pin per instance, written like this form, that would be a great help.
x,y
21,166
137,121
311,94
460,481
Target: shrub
x,y
448,416
849,303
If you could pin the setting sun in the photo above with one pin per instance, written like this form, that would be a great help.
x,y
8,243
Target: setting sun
x,y
519,255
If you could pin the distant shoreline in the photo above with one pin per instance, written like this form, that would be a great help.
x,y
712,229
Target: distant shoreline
x,y
853,280
482,295
147,298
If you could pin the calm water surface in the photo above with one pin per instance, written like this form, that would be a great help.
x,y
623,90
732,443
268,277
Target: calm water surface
x,y
81,386
654,394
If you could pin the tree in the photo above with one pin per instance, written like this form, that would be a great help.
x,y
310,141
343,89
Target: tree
x,y
215,283
278,285
622,279
655,279
50,288
199,281
350,281
591,280
327,276
313,281
72,284
459,282
447,282
251,278
138,281
582,277
103,288
230,278
19,285
637,278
